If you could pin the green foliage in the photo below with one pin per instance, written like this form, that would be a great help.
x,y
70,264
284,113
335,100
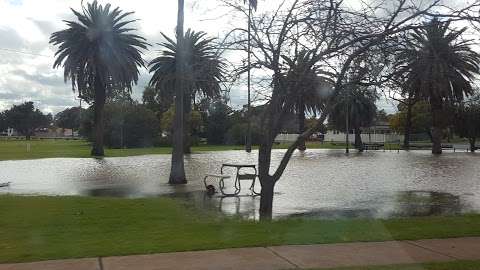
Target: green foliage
x,y
237,133
25,119
302,84
126,125
3,122
167,119
438,64
361,106
204,67
218,122
467,120
421,118
69,118
157,101
99,49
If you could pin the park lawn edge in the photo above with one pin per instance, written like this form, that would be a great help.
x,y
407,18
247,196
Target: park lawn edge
x,y
42,149
82,227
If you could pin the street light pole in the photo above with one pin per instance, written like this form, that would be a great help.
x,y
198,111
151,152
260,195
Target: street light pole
x,y
347,125
248,145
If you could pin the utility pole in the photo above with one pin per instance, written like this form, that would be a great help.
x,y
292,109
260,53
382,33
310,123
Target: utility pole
x,y
248,145
347,130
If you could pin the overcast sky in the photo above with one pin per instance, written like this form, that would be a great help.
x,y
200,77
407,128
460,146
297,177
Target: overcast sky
x,y
25,26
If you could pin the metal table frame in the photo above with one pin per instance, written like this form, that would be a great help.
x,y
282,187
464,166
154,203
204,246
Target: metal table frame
x,y
240,176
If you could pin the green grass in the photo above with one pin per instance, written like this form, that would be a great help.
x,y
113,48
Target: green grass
x,y
41,228
19,149
455,265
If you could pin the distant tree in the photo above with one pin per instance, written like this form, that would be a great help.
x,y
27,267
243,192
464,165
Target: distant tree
x,y
203,79
69,118
157,101
25,119
3,122
440,67
361,107
304,98
99,54
127,125
467,122
218,122
420,115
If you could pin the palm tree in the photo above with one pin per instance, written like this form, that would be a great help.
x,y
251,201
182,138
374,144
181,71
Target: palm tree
x,y
205,71
440,68
303,95
362,110
98,54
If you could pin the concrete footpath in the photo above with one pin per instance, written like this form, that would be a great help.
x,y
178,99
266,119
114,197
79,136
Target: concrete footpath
x,y
280,257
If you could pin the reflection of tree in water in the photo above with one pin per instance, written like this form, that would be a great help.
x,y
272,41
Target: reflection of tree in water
x,y
336,214
111,191
106,181
427,203
239,206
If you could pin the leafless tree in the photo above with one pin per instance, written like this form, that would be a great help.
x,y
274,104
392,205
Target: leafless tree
x,y
336,35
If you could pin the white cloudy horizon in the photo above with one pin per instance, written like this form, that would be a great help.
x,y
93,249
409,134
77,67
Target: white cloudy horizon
x,y
26,57
26,25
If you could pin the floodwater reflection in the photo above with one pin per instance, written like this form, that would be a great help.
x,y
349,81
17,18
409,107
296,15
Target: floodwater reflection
x,y
317,183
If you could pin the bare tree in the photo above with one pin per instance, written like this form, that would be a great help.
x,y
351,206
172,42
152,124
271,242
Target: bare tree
x,y
335,35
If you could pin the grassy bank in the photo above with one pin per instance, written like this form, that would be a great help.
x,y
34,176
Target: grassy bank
x,y
457,265
41,228
35,149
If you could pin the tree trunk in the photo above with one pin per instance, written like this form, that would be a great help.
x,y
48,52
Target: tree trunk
x,y
436,129
301,124
472,144
266,198
177,172
267,182
358,139
408,126
99,106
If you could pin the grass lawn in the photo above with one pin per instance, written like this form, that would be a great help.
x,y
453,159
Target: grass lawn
x,y
41,228
19,149
457,265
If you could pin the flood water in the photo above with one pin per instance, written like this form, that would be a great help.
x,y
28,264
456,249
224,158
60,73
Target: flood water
x,y
316,184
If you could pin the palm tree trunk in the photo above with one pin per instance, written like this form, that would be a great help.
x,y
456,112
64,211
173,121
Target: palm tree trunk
x,y
408,126
177,172
358,139
99,107
472,144
436,128
301,123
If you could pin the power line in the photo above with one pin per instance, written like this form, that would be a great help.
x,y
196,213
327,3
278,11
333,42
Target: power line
x,y
21,52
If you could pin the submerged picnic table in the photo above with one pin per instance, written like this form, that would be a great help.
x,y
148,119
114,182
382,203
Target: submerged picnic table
x,y
240,175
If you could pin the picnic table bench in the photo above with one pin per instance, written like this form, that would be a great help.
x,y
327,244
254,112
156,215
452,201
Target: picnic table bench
x,y
243,172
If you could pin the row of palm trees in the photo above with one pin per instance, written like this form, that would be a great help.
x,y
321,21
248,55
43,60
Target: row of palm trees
x,y
101,53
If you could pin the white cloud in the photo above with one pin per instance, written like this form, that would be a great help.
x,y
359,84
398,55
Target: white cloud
x,y
25,25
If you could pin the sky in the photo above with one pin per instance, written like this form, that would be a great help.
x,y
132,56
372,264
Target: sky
x,y
26,58
26,25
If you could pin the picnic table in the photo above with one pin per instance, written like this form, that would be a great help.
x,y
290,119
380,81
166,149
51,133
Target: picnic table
x,y
242,172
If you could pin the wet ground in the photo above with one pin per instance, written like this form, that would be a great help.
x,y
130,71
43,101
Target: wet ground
x,y
316,184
